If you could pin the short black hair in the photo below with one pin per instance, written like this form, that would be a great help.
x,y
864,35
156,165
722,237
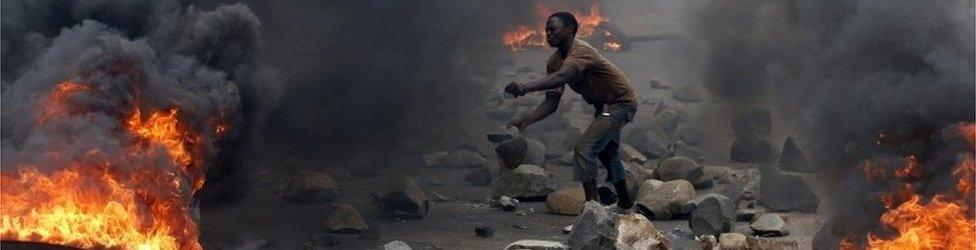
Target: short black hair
x,y
567,19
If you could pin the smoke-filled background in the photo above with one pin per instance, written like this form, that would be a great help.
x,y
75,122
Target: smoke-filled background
x,y
838,74
368,86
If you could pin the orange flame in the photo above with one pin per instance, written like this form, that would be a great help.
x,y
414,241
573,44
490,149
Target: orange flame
x,y
523,37
936,225
56,103
942,223
871,171
111,201
911,168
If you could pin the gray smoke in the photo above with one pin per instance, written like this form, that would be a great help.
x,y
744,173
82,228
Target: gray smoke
x,y
150,55
839,73
370,78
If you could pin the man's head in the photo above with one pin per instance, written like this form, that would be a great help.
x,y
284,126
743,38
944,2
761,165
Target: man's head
x,y
561,28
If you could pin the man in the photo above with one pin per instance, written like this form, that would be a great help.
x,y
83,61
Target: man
x,y
578,65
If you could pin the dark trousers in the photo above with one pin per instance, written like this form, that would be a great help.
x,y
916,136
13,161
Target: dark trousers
x,y
601,142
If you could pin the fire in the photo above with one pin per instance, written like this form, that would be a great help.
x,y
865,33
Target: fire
x,y
613,45
911,168
57,103
871,171
936,225
945,221
102,200
163,128
523,37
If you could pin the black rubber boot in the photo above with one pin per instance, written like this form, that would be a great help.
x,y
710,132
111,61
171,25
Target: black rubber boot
x,y
590,191
623,197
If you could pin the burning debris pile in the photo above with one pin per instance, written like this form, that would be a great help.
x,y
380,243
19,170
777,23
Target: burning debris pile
x,y
593,26
920,211
112,116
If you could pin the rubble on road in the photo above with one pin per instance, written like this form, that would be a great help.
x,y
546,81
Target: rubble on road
x,y
714,215
566,202
662,201
769,225
635,232
526,181
732,241
595,228
306,188
344,219
792,158
781,193
401,197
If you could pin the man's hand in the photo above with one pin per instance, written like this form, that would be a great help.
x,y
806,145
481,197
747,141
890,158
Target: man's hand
x,y
517,123
515,88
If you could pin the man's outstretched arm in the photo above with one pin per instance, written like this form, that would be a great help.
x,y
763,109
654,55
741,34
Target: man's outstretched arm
x,y
552,81
546,108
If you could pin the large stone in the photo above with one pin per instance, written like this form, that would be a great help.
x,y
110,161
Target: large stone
x,y
751,150
535,153
462,159
344,219
526,181
401,197
636,175
635,232
792,158
566,201
512,153
782,193
686,94
594,229
662,201
395,245
748,179
691,205
763,243
306,188
631,155
536,245
732,241
679,168
479,177
713,216
769,225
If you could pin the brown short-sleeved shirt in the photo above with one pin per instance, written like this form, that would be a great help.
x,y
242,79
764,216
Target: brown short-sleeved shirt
x,y
598,80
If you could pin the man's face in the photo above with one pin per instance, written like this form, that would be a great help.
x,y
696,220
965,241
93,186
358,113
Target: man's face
x,y
557,33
